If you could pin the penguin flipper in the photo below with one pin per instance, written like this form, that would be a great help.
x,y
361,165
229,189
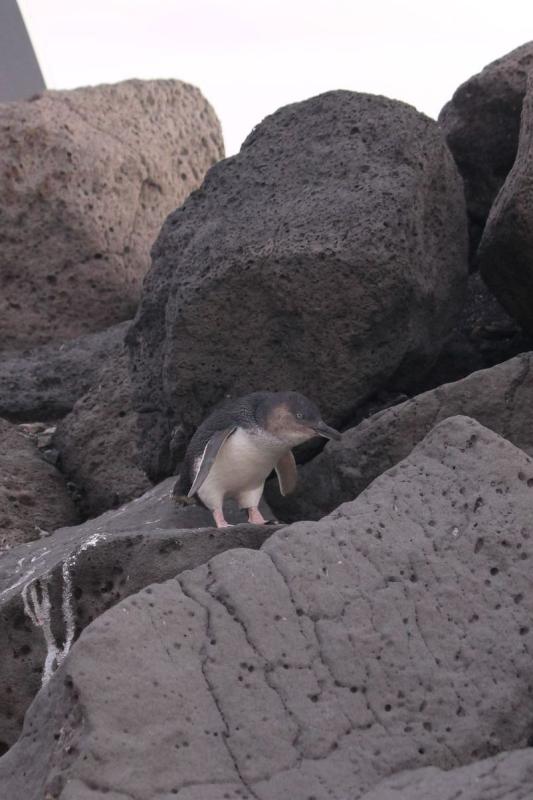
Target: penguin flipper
x,y
208,457
287,473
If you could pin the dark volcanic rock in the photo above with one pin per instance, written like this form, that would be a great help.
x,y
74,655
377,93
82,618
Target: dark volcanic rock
x,y
33,496
500,398
86,178
44,383
97,443
84,570
507,776
328,256
394,634
481,123
485,335
505,253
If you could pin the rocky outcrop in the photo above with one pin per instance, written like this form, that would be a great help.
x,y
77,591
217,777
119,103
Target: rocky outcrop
x,y
86,178
341,653
481,123
43,383
500,398
83,570
505,252
97,443
34,499
328,256
375,645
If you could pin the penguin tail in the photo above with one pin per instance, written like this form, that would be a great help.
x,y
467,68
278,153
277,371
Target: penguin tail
x,y
180,496
183,500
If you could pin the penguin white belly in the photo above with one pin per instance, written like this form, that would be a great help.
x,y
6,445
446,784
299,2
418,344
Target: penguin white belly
x,y
240,469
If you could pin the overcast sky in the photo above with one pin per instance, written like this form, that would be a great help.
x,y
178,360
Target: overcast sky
x,y
249,57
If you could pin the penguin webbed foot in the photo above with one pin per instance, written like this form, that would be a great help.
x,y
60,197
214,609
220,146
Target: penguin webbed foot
x,y
220,520
255,517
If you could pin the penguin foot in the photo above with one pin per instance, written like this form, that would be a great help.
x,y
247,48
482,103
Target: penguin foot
x,y
255,516
220,522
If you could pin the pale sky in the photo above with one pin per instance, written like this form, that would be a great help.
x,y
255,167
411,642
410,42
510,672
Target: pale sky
x,y
249,57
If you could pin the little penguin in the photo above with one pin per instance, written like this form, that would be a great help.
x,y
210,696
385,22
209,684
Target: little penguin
x,y
235,449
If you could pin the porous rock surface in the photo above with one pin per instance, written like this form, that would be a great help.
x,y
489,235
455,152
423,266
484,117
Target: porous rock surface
x,y
507,776
328,256
484,335
43,383
505,252
500,398
394,634
482,122
86,178
33,495
85,569
97,443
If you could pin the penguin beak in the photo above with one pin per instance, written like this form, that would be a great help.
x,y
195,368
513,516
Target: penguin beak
x,y
324,430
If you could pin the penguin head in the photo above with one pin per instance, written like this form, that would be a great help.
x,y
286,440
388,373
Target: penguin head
x,y
293,418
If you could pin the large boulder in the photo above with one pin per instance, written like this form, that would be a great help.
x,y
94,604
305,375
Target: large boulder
x,y
86,178
81,571
392,635
34,499
43,383
328,256
481,123
500,398
97,443
505,253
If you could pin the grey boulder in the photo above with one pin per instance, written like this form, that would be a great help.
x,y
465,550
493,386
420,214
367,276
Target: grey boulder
x,y
78,572
34,498
394,634
481,123
507,776
500,398
505,252
328,256
86,178
97,443
43,383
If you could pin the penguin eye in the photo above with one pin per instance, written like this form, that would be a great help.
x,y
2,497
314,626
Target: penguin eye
x,y
299,415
